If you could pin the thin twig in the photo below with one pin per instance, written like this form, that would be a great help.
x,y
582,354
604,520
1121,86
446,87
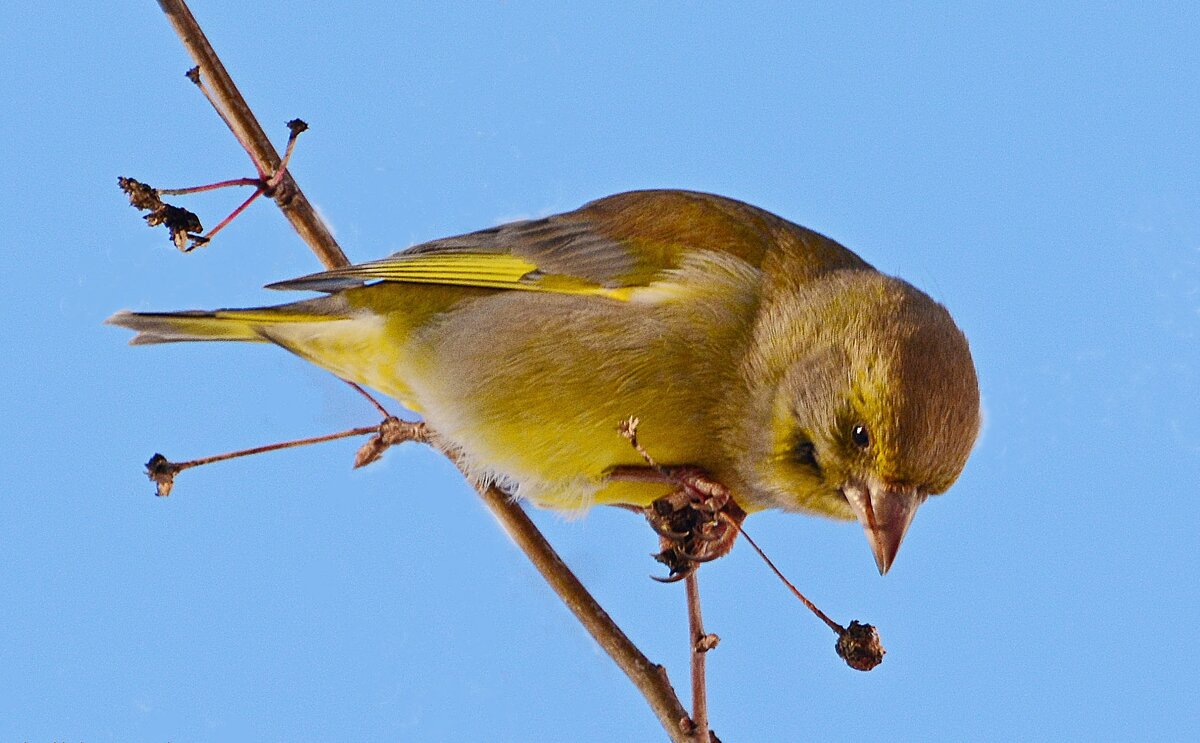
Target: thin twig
x,y
628,429
264,184
650,678
233,214
838,629
163,471
295,127
256,182
370,398
858,644
362,431
701,643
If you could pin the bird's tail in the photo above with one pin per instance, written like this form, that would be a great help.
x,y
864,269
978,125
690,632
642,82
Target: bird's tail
x,y
217,325
355,344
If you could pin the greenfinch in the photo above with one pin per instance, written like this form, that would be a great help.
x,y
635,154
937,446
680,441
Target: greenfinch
x,y
765,354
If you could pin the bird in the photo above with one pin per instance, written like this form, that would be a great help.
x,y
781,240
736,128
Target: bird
x,y
763,353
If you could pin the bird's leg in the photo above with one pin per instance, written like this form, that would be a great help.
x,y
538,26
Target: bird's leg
x,y
696,522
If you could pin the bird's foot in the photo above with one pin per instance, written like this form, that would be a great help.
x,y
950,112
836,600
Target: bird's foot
x,y
696,523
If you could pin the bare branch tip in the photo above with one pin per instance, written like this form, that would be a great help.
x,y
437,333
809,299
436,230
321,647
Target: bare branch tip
x,y
184,226
628,428
162,471
369,452
859,645
141,195
392,431
707,642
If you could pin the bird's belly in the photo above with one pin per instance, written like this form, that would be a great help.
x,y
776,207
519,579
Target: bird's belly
x,y
534,402
556,441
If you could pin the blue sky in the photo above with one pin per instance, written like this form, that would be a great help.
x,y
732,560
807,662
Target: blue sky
x,y
1033,167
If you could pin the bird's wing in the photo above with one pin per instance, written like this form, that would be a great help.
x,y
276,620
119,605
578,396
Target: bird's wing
x,y
606,248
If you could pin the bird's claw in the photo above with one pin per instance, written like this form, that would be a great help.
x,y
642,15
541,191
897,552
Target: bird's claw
x,y
696,523
666,533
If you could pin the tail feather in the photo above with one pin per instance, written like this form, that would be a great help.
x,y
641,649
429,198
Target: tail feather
x,y
217,325
354,343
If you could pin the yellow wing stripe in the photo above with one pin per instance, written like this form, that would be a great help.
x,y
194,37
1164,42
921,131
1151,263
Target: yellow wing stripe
x,y
485,270
271,316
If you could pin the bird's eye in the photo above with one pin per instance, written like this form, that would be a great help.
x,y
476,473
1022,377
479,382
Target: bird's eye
x,y
860,436
805,453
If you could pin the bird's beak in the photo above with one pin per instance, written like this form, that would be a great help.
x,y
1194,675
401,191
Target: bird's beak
x,y
885,513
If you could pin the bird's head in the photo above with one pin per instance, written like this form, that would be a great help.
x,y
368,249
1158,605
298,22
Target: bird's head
x,y
873,403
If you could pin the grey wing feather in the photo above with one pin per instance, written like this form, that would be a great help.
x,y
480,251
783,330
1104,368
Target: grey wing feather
x,y
556,244
561,244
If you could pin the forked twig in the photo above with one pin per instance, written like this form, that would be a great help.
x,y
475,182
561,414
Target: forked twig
x,y
250,134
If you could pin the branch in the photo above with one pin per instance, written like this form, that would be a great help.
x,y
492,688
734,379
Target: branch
x,y
650,678
701,643
163,471
250,134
